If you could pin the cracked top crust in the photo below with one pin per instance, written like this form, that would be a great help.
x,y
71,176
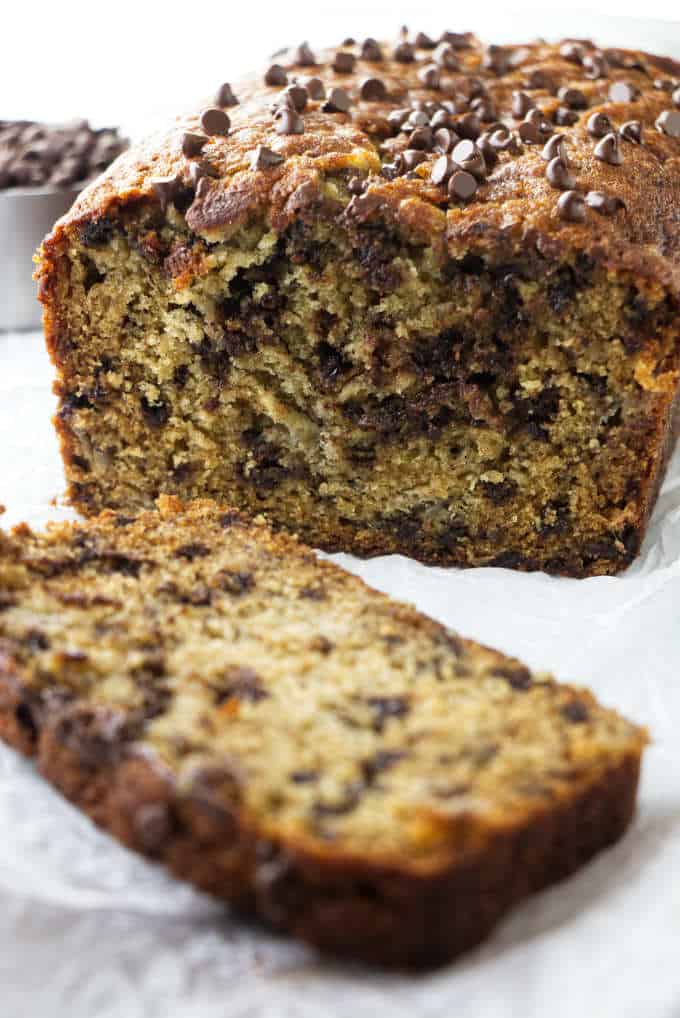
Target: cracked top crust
x,y
523,95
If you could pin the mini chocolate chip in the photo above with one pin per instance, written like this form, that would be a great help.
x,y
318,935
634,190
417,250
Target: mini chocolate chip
x,y
631,131
275,75
462,185
573,98
338,101
484,109
598,125
442,169
397,118
315,88
215,121
263,158
622,92
372,90
529,133
564,117
468,156
166,189
503,141
344,63
488,151
571,207
535,129
595,66
404,53
444,139
445,56
440,119
558,175
225,96
193,144
370,50
418,118
296,96
572,51
576,712
603,203
423,41
607,150
429,76
538,78
521,104
518,677
421,138
411,157
495,59
303,56
469,126
287,121
554,147
387,707
668,123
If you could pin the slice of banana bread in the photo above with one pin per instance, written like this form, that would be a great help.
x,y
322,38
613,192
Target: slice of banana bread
x,y
398,298
294,742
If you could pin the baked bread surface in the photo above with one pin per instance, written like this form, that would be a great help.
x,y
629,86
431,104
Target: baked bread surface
x,y
294,742
336,315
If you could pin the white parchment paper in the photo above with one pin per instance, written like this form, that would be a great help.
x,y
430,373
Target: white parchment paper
x,y
88,930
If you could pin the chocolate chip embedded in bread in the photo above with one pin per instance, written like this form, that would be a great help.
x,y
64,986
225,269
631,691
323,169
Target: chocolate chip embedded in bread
x,y
622,92
263,158
442,169
225,96
558,174
521,104
371,51
343,62
468,156
193,144
554,147
404,53
338,101
668,123
573,98
603,203
462,185
631,131
598,125
571,207
215,121
372,89
287,121
303,55
608,151
275,75
166,189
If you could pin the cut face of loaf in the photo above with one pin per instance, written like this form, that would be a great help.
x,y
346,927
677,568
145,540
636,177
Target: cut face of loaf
x,y
294,742
327,330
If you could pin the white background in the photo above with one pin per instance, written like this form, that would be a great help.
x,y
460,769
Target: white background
x,y
89,931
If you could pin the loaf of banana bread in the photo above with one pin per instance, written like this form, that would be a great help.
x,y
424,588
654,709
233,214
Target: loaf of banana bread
x,y
294,742
418,297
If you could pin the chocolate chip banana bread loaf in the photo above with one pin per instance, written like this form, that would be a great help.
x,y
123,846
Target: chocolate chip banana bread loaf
x,y
294,742
418,297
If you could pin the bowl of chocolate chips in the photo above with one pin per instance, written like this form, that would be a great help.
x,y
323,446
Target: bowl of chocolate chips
x,y
42,169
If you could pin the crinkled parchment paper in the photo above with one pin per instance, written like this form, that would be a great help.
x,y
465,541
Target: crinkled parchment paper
x,y
88,930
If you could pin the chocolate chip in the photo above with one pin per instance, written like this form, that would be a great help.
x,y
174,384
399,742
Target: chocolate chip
x,y
287,121
607,150
372,90
521,104
397,118
404,53
503,141
215,122
571,207
296,97
315,88
595,66
344,63
166,189
193,144
495,59
517,676
349,801
153,825
155,414
535,129
386,707
233,582
622,92
192,551
416,119
338,101
444,139
488,151
598,125
668,123
429,76
445,56
538,78
469,126
442,170
275,75
263,158
421,138
304,56
558,175
225,96
631,131
572,51
676,97
576,712
603,203
304,777
564,117
423,41
410,158
468,157
573,98
382,761
462,185
96,232
370,50
199,169
554,147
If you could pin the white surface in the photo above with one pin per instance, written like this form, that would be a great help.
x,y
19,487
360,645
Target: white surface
x,y
90,931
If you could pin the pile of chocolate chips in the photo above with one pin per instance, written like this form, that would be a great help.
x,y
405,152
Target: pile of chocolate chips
x,y
62,155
